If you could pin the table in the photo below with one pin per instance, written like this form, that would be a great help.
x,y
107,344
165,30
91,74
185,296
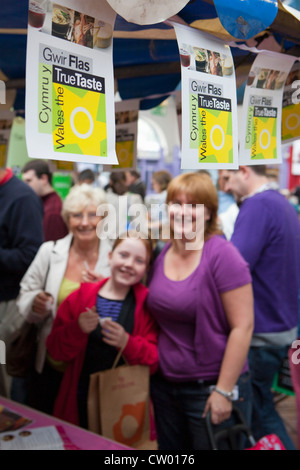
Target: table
x,y
83,439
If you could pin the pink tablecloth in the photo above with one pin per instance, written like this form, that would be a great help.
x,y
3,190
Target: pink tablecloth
x,y
82,439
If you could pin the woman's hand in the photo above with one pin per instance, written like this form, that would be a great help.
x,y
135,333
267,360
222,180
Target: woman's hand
x,y
42,304
89,320
91,276
114,334
219,406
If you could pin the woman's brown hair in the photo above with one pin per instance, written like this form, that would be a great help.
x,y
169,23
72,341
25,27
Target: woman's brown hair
x,y
199,189
162,178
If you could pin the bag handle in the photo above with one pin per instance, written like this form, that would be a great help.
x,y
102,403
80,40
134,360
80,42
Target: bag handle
x,y
118,358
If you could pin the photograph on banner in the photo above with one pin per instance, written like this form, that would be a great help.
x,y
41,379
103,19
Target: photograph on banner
x,y
260,132
70,99
290,128
209,105
64,165
126,116
6,122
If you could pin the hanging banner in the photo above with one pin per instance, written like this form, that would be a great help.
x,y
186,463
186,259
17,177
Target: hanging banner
x,y
295,170
70,83
126,116
291,106
260,141
209,107
17,155
6,122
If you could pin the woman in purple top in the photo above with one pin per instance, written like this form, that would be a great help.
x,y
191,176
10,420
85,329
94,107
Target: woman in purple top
x,y
200,293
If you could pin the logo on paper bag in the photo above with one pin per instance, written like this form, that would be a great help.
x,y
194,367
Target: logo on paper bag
x,y
129,428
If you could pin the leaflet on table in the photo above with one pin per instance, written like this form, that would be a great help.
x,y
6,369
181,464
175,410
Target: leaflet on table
x,y
290,128
42,438
209,108
70,83
260,135
11,421
126,115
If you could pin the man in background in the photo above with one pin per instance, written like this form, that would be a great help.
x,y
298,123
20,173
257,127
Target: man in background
x,y
37,175
267,234
86,176
21,234
135,184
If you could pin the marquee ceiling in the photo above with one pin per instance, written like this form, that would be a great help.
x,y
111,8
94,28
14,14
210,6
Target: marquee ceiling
x,y
146,57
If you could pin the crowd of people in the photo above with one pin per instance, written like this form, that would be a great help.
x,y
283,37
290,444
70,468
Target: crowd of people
x,y
212,310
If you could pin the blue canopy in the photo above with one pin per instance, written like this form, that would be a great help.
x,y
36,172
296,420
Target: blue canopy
x,y
146,58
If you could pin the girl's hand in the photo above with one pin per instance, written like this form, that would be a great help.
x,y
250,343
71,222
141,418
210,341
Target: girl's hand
x,y
88,321
114,334
220,408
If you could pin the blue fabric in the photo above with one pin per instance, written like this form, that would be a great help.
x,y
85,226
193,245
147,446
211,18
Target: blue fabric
x,y
244,19
267,234
264,364
178,409
225,200
108,308
21,234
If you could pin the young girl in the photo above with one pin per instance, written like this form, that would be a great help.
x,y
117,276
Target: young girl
x,y
99,319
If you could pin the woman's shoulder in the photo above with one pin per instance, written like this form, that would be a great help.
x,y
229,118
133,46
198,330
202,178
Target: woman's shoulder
x,y
57,244
219,247
222,252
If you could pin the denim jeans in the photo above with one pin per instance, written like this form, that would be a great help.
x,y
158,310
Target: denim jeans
x,y
178,409
264,362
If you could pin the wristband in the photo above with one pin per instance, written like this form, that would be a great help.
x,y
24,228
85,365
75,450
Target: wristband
x,y
228,395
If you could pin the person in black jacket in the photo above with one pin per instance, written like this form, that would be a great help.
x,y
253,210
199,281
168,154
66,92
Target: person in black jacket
x,y
21,234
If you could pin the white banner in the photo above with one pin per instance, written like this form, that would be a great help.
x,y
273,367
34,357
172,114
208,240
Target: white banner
x,y
69,81
209,105
290,128
6,122
260,141
127,113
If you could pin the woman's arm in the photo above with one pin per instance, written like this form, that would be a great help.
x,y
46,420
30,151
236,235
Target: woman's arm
x,y
33,283
239,308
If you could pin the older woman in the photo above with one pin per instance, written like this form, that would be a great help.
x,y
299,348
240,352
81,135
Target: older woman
x,y
200,293
57,270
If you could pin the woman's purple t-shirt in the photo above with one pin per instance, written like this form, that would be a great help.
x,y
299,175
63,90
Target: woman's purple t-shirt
x,y
193,324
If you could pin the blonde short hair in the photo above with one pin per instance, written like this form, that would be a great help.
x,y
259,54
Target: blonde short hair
x,y
79,197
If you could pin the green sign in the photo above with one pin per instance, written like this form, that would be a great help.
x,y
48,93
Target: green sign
x,y
61,183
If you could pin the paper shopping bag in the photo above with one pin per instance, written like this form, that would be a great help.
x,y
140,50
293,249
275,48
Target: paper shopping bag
x,y
118,404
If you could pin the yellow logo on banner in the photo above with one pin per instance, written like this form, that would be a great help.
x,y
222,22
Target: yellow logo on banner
x,y
124,152
215,136
79,121
290,122
264,142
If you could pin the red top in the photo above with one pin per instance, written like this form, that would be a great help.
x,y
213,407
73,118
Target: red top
x,y
67,342
53,223
8,175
